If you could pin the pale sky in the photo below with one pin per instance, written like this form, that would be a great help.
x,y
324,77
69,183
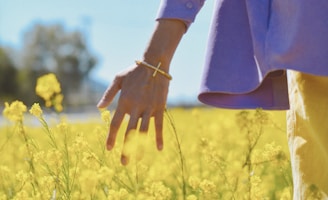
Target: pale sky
x,y
118,32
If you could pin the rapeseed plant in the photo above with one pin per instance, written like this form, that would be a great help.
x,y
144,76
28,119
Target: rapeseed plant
x,y
48,88
36,110
14,111
209,154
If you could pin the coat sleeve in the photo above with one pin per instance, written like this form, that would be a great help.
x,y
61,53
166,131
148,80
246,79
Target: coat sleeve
x,y
185,10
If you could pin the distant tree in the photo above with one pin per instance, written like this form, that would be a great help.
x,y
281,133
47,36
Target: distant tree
x,y
51,48
8,77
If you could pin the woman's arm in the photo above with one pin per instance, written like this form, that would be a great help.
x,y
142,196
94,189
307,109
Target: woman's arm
x,y
142,95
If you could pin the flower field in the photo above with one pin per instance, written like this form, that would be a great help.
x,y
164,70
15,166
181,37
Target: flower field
x,y
208,154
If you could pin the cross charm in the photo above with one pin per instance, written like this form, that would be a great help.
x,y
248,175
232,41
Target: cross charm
x,y
156,70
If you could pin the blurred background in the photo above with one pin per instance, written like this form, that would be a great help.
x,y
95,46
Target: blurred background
x,y
85,43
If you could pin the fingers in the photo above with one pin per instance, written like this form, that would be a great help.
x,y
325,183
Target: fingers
x,y
159,129
145,123
133,123
139,98
110,93
114,127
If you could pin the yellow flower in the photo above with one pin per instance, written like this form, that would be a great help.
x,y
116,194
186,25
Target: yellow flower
x,y
58,99
63,127
90,160
22,176
22,195
272,151
14,111
47,182
79,144
257,190
4,169
122,194
47,85
159,191
54,158
192,197
207,186
48,103
39,156
194,182
88,181
105,174
112,195
36,110
105,116
48,88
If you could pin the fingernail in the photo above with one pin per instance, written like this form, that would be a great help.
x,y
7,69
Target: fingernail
x,y
160,147
109,147
100,103
124,160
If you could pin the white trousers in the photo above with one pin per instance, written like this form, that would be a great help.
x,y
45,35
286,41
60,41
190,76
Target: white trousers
x,y
307,123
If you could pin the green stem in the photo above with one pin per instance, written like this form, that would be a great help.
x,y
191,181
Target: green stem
x,y
182,164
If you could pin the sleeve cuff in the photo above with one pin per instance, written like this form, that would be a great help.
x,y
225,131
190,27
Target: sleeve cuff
x,y
184,10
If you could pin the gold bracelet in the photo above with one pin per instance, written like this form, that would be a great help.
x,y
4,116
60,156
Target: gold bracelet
x,y
157,69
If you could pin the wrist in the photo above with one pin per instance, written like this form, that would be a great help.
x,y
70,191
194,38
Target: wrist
x,y
154,60
163,43
156,69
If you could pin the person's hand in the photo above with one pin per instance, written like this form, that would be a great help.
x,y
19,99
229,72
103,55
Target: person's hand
x,y
142,97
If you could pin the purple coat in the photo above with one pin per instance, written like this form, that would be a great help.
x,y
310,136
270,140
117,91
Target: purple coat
x,y
251,45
